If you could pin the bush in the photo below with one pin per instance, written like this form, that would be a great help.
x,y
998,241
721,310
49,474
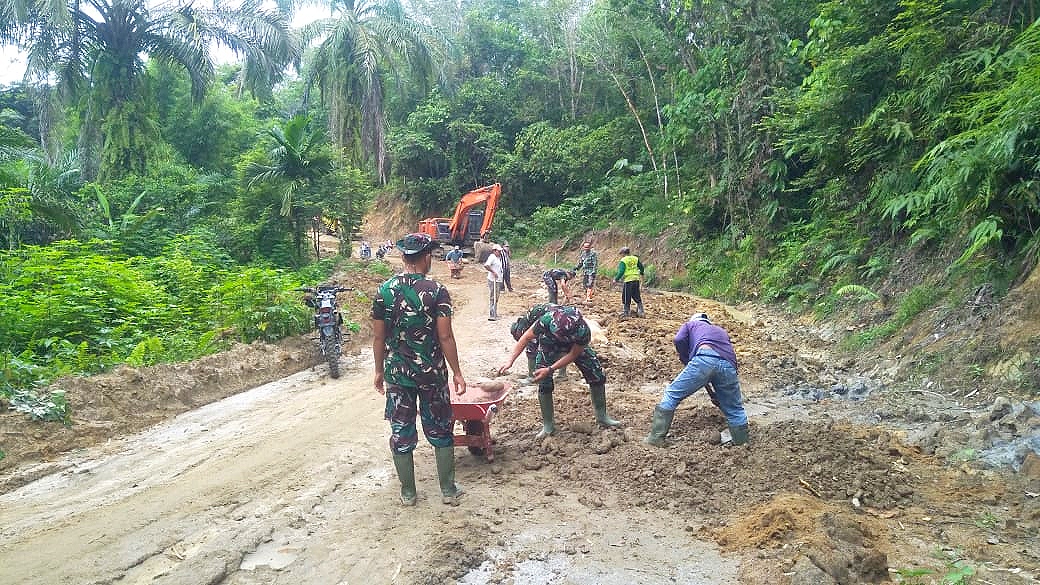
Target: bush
x,y
916,300
80,307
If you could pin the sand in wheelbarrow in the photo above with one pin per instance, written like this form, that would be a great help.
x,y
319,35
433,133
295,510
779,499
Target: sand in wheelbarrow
x,y
482,392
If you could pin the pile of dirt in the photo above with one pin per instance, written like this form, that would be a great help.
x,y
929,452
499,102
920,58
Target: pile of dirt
x,y
837,546
129,399
840,494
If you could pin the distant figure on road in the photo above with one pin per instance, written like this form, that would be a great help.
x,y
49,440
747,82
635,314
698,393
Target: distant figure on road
x,y
555,279
493,264
507,257
454,260
587,263
412,339
630,273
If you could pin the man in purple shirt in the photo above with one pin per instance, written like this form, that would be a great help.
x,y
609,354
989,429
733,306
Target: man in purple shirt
x,y
708,354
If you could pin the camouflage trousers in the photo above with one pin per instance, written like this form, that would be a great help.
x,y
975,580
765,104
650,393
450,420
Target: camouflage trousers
x,y
589,280
432,404
587,363
553,288
531,348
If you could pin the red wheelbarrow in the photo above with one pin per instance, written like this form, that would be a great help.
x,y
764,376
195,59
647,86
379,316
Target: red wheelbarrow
x,y
475,409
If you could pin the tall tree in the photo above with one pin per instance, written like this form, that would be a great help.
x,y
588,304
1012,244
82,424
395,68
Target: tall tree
x,y
95,49
297,162
361,47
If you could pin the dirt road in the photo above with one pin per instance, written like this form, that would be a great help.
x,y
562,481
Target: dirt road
x,y
291,482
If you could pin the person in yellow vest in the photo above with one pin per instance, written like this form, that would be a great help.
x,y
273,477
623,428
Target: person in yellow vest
x,y
630,273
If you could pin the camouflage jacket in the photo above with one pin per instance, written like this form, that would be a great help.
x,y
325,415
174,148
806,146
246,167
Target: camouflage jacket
x,y
560,328
409,305
588,261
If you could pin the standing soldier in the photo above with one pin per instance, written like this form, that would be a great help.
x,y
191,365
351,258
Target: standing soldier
x,y
630,273
551,277
587,263
563,337
412,339
707,354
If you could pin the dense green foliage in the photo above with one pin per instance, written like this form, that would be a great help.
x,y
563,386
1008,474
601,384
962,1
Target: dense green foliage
x,y
798,151
74,307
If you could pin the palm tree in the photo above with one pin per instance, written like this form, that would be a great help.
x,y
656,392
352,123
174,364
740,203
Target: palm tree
x,y
93,50
361,45
35,193
297,162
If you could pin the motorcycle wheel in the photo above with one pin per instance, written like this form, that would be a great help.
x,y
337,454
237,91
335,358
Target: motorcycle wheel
x,y
333,348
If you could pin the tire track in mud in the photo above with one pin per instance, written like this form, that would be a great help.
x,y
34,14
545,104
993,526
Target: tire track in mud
x,y
192,496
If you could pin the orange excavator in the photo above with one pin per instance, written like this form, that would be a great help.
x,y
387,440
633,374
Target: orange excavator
x,y
467,225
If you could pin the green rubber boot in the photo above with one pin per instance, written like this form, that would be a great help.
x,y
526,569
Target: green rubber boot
x,y
639,310
563,373
599,405
545,403
450,491
659,427
530,371
739,435
406,473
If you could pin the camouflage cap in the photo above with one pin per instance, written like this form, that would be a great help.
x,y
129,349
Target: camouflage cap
x,y
415,244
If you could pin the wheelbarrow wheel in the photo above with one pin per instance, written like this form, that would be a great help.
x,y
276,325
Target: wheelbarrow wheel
x,y
475,428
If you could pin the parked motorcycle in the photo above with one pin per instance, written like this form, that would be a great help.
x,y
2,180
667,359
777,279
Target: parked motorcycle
x,y
328,321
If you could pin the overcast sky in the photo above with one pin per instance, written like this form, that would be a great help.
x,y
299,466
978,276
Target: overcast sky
x,y
12,64
12,61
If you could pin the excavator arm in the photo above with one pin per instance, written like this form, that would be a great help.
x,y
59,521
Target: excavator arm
x,y
460,220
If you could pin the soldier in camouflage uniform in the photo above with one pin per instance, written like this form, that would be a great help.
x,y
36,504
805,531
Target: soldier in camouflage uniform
x,y
588,261
412,339
517,330
550,278
563,337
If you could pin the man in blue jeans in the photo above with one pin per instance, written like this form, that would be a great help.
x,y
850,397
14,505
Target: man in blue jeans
x,y
708,354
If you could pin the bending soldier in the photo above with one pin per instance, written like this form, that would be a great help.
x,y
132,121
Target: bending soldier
x,y
555,279
563,337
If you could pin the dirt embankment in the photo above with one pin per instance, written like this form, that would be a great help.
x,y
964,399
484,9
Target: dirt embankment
x,y
840,484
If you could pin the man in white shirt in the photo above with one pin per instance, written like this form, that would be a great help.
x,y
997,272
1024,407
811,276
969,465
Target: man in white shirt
x,y
493,265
